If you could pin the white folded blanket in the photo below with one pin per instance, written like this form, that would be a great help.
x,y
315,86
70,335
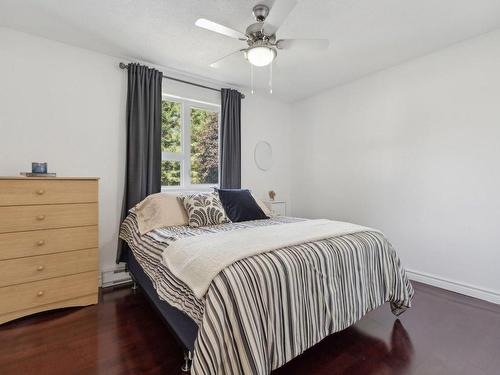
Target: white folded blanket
x,y
198,260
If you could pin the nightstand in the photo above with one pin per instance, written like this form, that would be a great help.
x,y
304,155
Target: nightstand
x,y
278,208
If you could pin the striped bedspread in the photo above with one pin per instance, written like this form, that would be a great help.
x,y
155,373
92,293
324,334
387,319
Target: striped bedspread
x,y
264,310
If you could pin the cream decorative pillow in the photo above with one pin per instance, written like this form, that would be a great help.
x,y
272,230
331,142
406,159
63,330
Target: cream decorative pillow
x,y
203,209
160,210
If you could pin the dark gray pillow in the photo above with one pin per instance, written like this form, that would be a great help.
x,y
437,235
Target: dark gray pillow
x,y
240,205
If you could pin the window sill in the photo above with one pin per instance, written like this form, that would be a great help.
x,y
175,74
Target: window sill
x,y
185,189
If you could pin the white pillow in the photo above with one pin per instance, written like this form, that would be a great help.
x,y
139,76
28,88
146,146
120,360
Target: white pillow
x,y
262,206
160,210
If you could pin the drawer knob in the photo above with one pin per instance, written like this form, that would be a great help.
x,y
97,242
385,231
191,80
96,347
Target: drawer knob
x,y
40,293
41,243
40,217
40,192
40,268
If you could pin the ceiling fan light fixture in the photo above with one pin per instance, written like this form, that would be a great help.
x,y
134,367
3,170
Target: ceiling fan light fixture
x,y
260,56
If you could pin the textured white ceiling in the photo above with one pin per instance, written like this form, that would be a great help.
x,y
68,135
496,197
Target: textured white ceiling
x,y
365,35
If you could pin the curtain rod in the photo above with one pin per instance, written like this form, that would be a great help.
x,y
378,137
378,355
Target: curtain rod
x,y
125,66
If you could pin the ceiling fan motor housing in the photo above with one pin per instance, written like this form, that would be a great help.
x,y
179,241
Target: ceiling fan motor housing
x,y
255,34
260,12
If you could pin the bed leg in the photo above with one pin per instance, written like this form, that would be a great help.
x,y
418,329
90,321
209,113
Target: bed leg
x,y
188,358
134,284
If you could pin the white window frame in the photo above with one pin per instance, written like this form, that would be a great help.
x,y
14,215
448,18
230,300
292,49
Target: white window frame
x,y
184,157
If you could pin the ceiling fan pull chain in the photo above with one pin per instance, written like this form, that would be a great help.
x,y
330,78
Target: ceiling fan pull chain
x,y
271,78
251,79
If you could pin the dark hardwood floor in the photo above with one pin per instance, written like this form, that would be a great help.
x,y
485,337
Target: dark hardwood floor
x,y
444,333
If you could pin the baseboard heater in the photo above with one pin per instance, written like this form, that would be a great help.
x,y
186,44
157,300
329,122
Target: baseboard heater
x,y
115,277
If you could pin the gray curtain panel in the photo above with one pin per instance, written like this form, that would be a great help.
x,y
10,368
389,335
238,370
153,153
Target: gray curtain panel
x,y
143,171
230,139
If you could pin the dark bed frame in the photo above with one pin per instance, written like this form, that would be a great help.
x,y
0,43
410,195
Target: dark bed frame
x,y
182,326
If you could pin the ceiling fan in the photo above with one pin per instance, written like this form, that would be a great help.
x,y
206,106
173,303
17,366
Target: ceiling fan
x,y
263,45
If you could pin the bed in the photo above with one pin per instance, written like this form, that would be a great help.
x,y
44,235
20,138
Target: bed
x,y
263,309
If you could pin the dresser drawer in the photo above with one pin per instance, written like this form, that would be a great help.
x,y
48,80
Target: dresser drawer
x,y
23,218
38,191
47,241
23,270
31,295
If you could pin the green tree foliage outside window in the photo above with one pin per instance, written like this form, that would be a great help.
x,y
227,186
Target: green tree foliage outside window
x,y
204,147
170,126
170,173
170,142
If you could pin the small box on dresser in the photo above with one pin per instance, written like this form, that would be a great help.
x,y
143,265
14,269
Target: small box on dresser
x,y
49,250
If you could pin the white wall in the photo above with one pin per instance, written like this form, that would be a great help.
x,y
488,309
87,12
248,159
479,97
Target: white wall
x,y
267,120
414,151
66,106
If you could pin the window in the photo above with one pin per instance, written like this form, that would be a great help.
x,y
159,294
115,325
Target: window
x,y
190,144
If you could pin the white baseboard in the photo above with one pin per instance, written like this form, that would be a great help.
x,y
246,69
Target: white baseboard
x,y
455,286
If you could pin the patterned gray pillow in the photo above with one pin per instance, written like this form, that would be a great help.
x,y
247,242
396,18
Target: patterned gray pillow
x,y
203,209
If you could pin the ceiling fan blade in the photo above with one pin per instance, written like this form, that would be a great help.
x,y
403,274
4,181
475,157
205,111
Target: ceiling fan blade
x,y
277,15
220,29
304,44
217,63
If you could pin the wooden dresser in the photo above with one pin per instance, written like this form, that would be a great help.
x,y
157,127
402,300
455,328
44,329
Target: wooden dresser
x,y
49,251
